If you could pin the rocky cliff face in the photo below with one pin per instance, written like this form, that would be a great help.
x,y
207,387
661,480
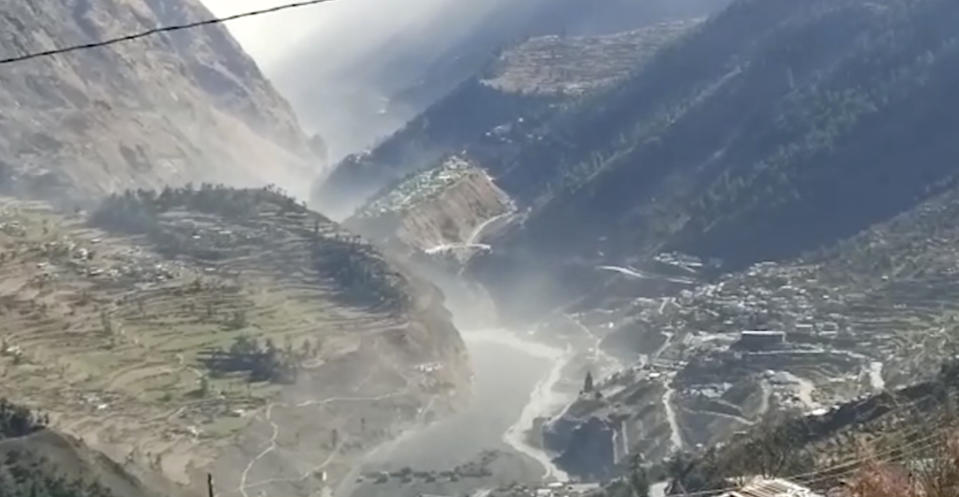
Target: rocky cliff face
x,y
180,107
435,221
440,210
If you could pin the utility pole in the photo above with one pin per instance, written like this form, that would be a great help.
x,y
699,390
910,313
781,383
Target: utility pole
x,y
209,483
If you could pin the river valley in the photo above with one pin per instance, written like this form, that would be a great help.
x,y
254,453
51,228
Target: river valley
x,y
491,442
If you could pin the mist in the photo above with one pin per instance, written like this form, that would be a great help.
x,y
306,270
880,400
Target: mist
x,y
342,63
357,70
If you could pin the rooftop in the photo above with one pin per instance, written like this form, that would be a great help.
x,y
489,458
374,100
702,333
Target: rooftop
x,y
763,333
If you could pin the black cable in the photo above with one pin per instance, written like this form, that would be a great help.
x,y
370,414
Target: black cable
x,y
155,31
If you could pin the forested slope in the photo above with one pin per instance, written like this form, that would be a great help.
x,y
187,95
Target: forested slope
x,y
777,127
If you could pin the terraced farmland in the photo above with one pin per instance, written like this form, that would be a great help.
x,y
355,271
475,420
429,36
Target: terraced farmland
x,y
108,331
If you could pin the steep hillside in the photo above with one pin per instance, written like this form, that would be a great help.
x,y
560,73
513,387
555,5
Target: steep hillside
x,y
188,331
35,460
490,116
774,128
370,87
181,107
874,313
441,210
777,127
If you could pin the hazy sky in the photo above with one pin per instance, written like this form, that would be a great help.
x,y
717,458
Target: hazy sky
x,y
316,55
349,67
277,38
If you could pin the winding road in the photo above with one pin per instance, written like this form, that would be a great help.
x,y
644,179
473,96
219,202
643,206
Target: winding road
x,y
676,434
473,241
632,273
605,363
272,446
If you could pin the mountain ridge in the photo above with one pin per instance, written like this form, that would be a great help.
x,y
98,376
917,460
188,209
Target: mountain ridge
x,y
174,108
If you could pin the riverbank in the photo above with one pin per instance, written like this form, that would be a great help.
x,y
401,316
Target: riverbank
x,y
487,444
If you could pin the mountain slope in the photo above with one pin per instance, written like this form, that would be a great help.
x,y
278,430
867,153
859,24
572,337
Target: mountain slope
x,y
775,116
490,116
874,313
772,129
35,460
388,76
180,107
184,331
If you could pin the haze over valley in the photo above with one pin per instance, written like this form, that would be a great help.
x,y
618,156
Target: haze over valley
x,y
550,248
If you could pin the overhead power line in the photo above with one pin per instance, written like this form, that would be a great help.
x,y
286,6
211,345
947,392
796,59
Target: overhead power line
x,y
158,30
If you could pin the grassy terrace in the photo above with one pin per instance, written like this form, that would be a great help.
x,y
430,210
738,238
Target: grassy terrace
x,y
106,330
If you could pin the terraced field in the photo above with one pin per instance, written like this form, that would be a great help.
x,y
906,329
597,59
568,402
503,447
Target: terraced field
x,y
109,332
574,66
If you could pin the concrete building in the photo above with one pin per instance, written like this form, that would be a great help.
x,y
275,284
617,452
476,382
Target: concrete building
x,y
761,340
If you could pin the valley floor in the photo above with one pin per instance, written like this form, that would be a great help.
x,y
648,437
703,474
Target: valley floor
x,y
486,445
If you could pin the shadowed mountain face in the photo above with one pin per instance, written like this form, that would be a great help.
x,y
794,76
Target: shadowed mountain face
x,y
386,76
769,130
777,127
181,107
773,129
494,114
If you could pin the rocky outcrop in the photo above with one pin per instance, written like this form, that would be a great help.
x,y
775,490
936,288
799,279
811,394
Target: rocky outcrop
x,y
440,210
597,432
435,221
169,109
474,111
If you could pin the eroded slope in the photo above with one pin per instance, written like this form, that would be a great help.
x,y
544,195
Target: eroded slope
x,y
437,211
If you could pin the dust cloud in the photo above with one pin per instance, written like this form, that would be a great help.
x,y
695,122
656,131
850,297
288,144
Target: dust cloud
x,y
343,63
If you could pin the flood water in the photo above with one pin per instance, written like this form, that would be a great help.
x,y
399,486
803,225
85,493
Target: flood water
x,y
505,377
